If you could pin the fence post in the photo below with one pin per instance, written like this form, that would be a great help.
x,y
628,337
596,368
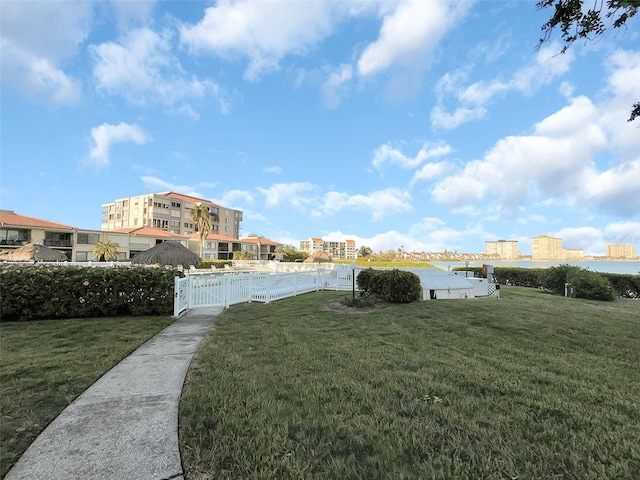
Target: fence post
x,y
176,296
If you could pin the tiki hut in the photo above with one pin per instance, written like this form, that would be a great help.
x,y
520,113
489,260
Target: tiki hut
x,y
319,257
33,252
167,253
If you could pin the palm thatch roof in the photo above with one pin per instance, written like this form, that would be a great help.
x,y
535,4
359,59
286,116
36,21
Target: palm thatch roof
x,y
167,253
33,252
319,257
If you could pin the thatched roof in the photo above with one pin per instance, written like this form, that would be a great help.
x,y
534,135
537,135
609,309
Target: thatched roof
x,y
319,257
33,252
167,253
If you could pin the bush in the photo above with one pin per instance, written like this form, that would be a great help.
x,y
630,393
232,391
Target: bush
x,y
43,292
555,278
590,285
395,286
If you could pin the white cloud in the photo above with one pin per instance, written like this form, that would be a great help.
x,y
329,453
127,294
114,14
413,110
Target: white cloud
x,y
106,135
622,232
335,86
130,13
589,239
294,194
432,170
158,185
472,100
409,33
142,69
263,32
235,197
382,203
442,119
386,154
273,169
557,161
427,235
36,38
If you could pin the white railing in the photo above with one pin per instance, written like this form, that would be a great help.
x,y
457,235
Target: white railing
x,y
222,290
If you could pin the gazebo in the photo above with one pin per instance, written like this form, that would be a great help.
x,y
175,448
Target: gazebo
x,y
319,257
167,253
33,252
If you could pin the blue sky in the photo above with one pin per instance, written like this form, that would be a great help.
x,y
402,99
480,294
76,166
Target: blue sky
x,y
429,125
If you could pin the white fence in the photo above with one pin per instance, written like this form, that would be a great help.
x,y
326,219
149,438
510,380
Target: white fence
x,y
222,290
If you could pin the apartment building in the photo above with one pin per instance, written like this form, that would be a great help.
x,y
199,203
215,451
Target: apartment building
x,y
627,252
546,248
502,250
346,249
168,211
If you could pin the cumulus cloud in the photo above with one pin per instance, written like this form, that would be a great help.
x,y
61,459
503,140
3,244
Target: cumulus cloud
x,y
335,86
237,197
409,33
142,69
557,161
262,32
387,155
622,232
105,135
381,204
32,63
295,194
471,101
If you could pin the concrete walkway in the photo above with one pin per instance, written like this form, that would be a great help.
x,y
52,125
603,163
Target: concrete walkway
x,y
125,426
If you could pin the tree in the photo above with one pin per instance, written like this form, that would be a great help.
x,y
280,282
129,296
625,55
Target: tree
x,y
105,251
364,251
291,253
202,219
242,255
576,22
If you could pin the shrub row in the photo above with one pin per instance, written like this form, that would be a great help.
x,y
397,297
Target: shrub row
x,y
43,292
395,286
585,283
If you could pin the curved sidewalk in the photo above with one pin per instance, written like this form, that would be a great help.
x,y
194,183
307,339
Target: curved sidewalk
x,y
125,426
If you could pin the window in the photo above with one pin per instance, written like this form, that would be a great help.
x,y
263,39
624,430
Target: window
x,y
88,238
82,256
175,223
226,220
175,204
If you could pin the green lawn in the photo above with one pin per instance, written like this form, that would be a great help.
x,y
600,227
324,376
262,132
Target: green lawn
x,y
45,365
530,386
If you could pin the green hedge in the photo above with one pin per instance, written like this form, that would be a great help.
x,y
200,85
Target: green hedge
x,y
554,278
44,292
395,286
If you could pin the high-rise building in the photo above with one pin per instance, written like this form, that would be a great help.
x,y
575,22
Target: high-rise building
x,y
168,211
622,251
546,248
502,249
346,249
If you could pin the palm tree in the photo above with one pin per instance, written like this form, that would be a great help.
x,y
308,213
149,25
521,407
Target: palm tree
x,y
202,219
105,251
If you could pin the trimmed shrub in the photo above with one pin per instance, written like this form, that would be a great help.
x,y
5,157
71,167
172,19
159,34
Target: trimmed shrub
x,y
395,286
590,285
627,286
43,292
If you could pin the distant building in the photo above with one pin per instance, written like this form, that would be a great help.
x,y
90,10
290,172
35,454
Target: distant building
x,y
168,211
346,249
572,253
546,248
622,251
502,249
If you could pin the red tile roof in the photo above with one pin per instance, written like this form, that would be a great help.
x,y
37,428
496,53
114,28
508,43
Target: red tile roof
x,y
188,198
216,236
12,219
148,232
262,240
